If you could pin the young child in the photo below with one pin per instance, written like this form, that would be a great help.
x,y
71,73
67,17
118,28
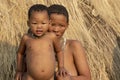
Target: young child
x,y
39,46
75,61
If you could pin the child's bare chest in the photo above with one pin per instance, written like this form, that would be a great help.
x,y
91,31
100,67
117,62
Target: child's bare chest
x,y
38,44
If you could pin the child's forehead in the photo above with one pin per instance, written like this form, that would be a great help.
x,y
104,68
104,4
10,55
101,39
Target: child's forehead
x,y
39,16
39,13
58,16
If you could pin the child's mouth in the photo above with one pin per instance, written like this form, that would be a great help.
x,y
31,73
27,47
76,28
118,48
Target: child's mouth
x,y
39,31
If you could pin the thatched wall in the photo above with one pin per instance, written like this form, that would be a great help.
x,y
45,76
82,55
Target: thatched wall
x,y
96,23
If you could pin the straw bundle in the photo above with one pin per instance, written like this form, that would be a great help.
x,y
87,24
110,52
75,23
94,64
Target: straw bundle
x,y
94,22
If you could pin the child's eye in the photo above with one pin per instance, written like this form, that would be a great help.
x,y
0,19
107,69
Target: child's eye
x,y
34,23
43,23
61,25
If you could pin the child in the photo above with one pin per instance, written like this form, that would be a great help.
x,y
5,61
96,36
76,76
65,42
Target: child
x,y
75,61
38,46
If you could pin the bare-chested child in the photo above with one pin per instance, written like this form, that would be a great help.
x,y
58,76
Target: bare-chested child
x,y
75,61
39,46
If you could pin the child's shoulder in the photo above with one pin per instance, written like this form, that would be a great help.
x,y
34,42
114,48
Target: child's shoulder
x,y
25,36
51,35
74,43
71,41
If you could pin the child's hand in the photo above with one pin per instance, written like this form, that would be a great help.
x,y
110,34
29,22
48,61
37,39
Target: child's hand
x,y
62,72
18,76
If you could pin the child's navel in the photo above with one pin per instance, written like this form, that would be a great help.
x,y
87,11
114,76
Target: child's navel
x,y
42,71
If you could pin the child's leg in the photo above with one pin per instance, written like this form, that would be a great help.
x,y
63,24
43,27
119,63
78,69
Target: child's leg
x,y
27,77
52,78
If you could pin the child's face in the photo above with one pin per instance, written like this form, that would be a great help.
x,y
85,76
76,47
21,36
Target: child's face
x,y
58,24
38,23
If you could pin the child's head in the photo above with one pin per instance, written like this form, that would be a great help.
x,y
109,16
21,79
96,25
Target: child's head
x,y
38,19
58,9
59,19
36,8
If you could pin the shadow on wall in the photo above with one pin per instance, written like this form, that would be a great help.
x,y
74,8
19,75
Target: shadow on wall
x,y
7,61
116,61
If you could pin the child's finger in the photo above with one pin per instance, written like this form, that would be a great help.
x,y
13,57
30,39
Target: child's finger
x,y
61,73
20,77
17,78
65,73
57,73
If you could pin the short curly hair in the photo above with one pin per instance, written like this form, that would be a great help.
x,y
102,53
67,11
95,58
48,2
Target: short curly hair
x,y
37,7
59,9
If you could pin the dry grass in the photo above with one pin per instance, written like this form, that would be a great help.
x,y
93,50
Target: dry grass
x,y
94,22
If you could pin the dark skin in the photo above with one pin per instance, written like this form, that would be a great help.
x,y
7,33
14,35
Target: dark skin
x,y
75,61
74,53
39,49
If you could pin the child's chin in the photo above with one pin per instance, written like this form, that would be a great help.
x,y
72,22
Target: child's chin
x,y
37,36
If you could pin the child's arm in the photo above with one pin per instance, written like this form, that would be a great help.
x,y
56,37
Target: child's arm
x,y
60,55
20,54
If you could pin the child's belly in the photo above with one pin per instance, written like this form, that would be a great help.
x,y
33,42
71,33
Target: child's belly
x,y
41,66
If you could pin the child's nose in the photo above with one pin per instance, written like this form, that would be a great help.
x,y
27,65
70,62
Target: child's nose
x,y
39,26
57,28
